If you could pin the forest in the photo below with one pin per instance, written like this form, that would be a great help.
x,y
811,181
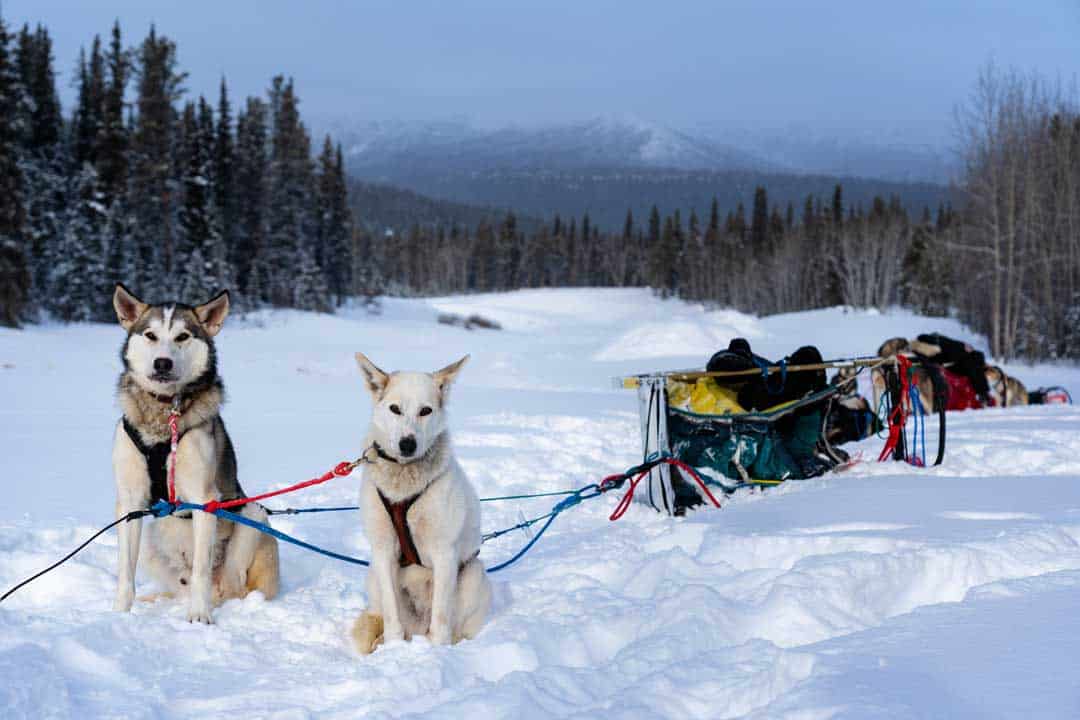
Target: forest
x,y
178,197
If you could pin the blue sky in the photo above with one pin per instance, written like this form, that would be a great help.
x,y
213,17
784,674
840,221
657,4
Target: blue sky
x,y
836,65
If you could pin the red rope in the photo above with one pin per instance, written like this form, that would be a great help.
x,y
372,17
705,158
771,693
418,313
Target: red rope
x,y
897,418
340,470
174,432
624,503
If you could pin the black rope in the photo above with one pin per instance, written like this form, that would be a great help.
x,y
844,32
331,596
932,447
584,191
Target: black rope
x,y
135,514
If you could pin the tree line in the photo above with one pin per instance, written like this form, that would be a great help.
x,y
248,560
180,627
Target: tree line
x,y
767,260
174,197
178,198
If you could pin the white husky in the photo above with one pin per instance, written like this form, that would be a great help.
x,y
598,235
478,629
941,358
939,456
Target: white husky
x,y
421,516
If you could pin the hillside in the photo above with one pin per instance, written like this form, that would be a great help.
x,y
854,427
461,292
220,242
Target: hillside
x,y
377,208
606,166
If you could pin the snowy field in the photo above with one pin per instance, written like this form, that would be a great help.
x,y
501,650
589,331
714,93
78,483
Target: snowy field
x,y
881,592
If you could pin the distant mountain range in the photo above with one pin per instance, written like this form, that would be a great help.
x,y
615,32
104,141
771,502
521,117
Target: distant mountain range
x,y
606,166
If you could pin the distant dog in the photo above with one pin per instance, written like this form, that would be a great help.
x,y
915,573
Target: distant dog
x,y
920,376
421,516
170,361
1005,390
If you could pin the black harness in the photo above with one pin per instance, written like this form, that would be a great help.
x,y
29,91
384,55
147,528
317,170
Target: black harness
x,y
157,458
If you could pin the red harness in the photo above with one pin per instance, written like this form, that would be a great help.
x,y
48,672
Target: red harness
x,y
959,393
398,516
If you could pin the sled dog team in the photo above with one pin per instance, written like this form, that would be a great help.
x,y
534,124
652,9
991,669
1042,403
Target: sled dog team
x,y
420,513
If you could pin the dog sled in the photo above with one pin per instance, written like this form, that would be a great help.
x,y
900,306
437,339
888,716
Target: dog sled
x,y
693,416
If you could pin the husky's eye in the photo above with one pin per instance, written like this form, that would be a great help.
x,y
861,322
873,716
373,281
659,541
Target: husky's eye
x,y
150,336
182,337
395,409
425,411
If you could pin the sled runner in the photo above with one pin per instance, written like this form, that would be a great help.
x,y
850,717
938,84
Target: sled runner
x,y
697,418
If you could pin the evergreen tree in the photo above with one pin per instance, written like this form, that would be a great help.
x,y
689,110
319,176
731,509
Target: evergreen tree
x,y
225,190
291,231
14,284
113,141
198,236
334,222
44,163
90,111
504,259
77,276
252,168
39,80
838,206
759,220
11,179
152,200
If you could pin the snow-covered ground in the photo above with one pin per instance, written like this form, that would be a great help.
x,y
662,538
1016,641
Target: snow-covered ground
x,y
884,591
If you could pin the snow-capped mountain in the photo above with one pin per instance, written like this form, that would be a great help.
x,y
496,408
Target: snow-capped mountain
x,y
606,142
609,165
888,155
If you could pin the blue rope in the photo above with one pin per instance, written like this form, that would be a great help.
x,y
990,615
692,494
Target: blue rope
x,y
764,367
589,491
162,508
919,428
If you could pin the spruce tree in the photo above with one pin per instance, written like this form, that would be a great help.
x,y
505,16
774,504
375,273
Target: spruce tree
x,y
291,227
759,220
46,123
152,199
77,277
113,141
14,284
249,249
504,264
43,156
334,222
11,179
225,191
199,249
89,118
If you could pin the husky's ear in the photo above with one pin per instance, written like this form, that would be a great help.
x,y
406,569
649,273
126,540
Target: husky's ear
x,y
212,313
128,307
375,378
444,377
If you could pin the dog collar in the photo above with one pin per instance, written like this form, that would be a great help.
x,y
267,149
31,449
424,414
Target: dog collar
x,y
383,454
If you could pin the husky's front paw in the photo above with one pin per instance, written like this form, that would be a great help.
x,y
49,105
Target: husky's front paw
x,y
392,632
199,612
439,634
124,599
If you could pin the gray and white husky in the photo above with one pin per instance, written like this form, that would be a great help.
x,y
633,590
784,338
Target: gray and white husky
x,y
421,516
170,361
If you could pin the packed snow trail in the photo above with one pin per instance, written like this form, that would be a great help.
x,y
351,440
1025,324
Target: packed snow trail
x,y
884,591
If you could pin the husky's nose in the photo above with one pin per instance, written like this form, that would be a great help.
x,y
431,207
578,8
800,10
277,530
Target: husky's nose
x,y
162,365
407,445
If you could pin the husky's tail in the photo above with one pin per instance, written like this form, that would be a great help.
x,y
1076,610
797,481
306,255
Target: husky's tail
x,y
367,632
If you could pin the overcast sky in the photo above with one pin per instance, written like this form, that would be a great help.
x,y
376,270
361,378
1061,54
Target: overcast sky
x,y
865,65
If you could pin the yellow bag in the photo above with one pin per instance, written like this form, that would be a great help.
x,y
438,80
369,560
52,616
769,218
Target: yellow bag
x,y
704,397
